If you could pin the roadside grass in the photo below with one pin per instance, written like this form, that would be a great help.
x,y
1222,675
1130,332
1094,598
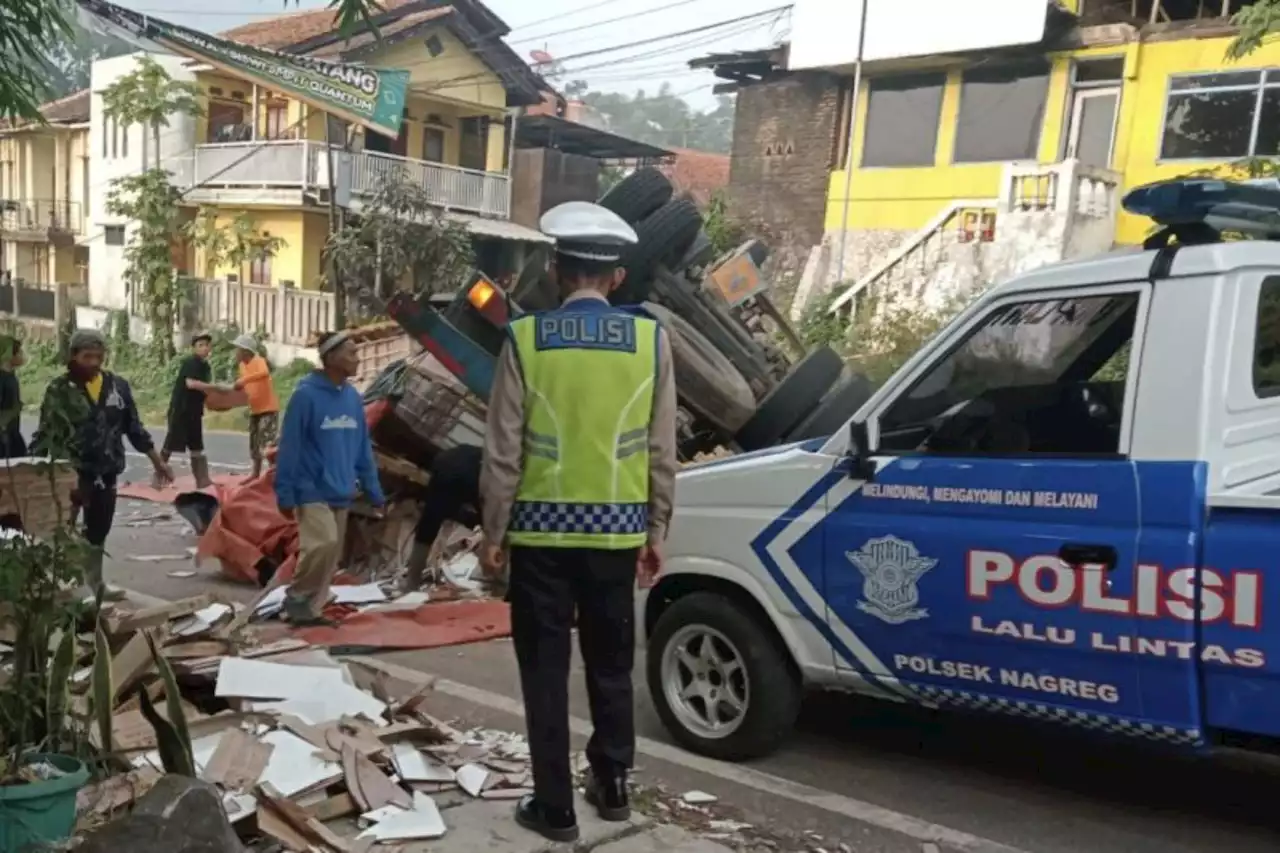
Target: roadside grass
x,y
152,378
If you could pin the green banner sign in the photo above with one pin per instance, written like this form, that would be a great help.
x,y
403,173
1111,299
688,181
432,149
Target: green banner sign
x,y
371,97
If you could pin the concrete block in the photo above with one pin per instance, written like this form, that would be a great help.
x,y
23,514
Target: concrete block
x,y
489,826
664,838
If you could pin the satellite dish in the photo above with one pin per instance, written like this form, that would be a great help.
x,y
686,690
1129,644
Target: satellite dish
x,y
541,57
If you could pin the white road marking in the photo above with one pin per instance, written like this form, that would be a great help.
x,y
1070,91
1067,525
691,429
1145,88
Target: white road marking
x,y
868,813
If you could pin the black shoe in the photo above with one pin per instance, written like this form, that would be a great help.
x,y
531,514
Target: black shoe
x,y
558,825
609,798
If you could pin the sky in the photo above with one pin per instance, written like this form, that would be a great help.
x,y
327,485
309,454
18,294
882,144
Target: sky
x,y
568,27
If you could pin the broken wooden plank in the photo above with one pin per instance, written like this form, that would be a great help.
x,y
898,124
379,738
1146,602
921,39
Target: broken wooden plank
x,y
196,650
298,818
119,621
333,808
238,761
369,786
273,824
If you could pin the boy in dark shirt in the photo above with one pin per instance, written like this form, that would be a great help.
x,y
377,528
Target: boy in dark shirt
x,y
186,411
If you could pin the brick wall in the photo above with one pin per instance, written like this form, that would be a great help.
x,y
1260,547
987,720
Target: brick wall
x,y
784,140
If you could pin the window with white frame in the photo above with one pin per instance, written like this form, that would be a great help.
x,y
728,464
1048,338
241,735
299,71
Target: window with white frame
x,y
1222,116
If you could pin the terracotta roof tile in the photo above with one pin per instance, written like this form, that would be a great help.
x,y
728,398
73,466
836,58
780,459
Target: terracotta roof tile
x,y
413,19
698,173
69,109
293,27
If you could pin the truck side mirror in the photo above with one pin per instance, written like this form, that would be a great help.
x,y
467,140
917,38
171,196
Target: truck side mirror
x,y
862,466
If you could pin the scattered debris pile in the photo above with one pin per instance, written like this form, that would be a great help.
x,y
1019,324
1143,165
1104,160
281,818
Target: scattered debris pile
x,y
311,751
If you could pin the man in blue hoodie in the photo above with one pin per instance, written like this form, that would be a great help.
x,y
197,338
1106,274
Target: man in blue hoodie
x,y
324,456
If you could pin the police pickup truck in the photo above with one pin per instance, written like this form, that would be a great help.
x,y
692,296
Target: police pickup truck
x,y
1065,508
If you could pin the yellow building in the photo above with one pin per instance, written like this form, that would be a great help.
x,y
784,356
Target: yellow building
x,y
44,182
1146,97
263,153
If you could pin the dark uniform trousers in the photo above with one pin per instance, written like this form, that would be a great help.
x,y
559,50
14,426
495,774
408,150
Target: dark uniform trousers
x,y
546,586
453,492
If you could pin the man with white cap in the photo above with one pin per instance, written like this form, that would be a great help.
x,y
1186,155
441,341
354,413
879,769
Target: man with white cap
x,y
254,379
578,482
325,455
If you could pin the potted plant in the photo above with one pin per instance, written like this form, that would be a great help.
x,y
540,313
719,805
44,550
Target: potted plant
x,y
42,743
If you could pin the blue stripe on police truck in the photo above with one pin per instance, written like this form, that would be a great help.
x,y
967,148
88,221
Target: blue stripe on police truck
x,y
958,595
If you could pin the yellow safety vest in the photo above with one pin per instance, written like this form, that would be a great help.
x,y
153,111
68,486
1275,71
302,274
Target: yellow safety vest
x,y
589,371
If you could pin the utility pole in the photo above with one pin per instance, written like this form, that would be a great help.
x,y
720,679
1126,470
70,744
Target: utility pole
x,y
335,225
853,122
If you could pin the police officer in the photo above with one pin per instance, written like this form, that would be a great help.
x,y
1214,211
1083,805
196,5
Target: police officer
x,y
576,489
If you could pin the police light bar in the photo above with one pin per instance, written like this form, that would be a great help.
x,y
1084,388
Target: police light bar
x,y
1249,207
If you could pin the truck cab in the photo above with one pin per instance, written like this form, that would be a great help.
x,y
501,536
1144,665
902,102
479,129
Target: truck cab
x,y
1065,508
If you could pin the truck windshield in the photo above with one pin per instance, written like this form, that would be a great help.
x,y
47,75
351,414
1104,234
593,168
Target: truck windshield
x,y
1026,375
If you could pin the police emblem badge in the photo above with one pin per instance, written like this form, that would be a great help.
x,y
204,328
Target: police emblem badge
x,y
890,568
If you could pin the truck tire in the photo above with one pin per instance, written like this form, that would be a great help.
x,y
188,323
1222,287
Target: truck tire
x,y
792,400
763,682
534,290
758,251
638,195
708,384
664,236
700,253
835,410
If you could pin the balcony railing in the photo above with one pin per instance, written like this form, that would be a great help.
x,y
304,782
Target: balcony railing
x,y
302,165
41,215
451,187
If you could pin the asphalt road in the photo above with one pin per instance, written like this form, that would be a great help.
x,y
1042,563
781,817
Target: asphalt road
x,y
874,778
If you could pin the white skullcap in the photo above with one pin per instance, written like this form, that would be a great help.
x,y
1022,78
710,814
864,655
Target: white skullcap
x,y
246,342
585,230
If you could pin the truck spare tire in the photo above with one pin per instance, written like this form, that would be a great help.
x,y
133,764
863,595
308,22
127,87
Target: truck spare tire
x,y
835,410
638,195
794,398
664,236
707,382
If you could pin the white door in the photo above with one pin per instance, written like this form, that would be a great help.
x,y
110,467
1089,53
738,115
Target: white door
x,y
1093,126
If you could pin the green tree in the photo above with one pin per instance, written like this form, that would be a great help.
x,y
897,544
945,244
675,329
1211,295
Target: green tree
x,y
150,202
149,96
247,244
665,119
399,237
1257,23
208,235
29,32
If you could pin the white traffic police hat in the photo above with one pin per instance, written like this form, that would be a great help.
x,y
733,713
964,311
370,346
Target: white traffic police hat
x,y
585,230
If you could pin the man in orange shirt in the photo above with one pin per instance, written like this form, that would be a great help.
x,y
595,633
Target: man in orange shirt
x,y
264,406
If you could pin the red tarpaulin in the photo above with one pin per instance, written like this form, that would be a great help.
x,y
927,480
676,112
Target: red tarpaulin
x,y
247,528
426,627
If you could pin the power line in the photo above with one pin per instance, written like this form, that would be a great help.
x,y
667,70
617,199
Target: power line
x,y
718,25
627,17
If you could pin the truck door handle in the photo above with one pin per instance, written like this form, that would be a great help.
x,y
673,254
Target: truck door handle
x,y
1076,555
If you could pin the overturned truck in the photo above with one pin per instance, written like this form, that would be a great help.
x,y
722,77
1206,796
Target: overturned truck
x,y
744,378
